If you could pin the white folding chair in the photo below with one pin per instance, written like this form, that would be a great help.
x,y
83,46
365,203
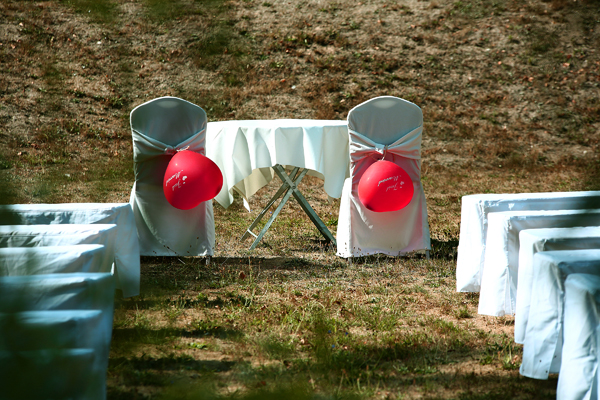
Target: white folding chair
x,y
387,128
160,128
127,251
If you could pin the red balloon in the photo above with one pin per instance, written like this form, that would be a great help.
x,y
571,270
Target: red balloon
x,y
385,187
190,179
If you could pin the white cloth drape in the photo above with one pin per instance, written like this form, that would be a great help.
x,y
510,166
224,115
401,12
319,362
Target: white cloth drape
x,y
159,129
67,292
532,241
61,235
500,274
52,259
127,252
361,231
474,224
245,151
542,349
578,376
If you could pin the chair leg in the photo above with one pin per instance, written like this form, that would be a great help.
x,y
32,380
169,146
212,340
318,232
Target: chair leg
x,y
349,259
208,260
427,255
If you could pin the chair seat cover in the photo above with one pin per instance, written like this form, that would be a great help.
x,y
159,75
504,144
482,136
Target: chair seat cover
x,y
474,224
48,374
62,235
542,349
52,259
127,252
532,241
383,128
69,291
578,376
500,274
159,129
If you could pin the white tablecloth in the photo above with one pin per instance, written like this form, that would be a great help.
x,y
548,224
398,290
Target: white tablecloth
x,y
127,250
543,340
474,224
532,241
578,376
62,235
499,278
245,151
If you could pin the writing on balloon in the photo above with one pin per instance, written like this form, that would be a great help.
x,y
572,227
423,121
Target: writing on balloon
x,y
394,178
394,186
180,182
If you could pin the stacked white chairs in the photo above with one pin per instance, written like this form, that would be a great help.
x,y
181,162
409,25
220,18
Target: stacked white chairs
x,y
532,241
160,128
55,332
127,253
543,346
474,224
578,376
387,128
499,278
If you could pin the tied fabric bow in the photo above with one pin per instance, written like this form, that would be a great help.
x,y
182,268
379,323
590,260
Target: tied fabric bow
x,y
408,146
171,151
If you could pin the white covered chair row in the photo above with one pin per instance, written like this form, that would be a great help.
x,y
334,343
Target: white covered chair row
x,y
126,255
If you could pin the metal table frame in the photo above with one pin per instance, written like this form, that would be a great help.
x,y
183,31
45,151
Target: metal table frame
x,y
289,187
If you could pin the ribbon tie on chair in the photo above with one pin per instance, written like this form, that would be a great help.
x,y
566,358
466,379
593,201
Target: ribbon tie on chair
x,y
408,146
147,147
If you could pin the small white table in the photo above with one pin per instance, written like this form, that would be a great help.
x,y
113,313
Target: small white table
x,y
250,152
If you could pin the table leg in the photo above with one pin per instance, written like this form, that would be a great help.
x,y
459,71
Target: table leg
x,y
277,195
304,204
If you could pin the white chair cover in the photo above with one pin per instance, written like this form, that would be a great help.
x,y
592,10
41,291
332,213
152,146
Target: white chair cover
x,y
543,340
52,259
578,376
48,374
500,274
127,251
474,224
159,129
62,235
532,241
69,291
390,128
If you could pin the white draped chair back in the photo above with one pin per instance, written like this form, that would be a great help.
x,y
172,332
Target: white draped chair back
x,y
160,128
45,319
127,251
387,128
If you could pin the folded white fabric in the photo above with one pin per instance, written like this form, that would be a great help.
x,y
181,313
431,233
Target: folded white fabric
x,y
68,291
52,259
499,278
543,340
578,376
62,235
48,374
474,224
532,241
127,251
245,151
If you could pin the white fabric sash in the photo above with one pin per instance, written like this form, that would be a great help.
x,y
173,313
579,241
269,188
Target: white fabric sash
x,y
146,147
408,146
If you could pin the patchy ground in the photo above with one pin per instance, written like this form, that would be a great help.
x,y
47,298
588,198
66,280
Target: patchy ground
x,y
511,101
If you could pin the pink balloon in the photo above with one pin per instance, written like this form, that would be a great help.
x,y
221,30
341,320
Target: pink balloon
x,y
385,187
190,179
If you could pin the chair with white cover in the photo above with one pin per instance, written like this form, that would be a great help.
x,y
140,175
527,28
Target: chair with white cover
x,y
160,128
127,252
543,345
578,376
62,235
70,293
16,261
386,128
